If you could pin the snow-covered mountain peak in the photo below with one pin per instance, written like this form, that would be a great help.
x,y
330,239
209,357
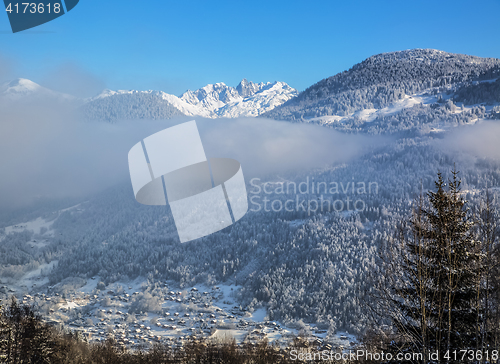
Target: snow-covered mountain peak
x,y
108,92
247,99
20,86
266,97
247,88
211,96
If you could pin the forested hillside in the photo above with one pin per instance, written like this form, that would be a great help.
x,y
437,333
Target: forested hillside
x,y
130,106
300,265
386,78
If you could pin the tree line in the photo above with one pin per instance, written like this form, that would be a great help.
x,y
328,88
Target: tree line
x,y
441,290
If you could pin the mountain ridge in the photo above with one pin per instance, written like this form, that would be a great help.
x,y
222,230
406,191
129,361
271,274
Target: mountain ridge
x,y
378,94
212,100
382,79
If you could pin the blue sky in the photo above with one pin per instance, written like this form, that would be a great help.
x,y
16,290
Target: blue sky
x,y
175,46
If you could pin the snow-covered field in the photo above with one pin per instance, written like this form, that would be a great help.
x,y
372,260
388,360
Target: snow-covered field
x,y
369,115
39,226
35,226
31,280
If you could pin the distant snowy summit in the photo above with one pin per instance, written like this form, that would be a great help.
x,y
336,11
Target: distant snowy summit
x,y
211,101
22,89
403,90
247,99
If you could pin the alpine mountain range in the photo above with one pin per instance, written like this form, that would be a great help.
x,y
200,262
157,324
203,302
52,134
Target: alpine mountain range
x,y
368,97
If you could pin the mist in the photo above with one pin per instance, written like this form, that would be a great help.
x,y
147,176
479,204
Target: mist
x,y
46,153
479,140
70,78
6,69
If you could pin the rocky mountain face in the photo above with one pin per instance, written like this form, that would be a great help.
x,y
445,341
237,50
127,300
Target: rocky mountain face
x,y
213,100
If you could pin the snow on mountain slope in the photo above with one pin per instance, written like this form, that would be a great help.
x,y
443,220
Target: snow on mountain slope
x,y
387,78
184,107
181,105
267,98
369,115
20,87
247,99
211,97
107,93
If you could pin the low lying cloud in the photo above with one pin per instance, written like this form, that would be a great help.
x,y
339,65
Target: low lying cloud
x,y
6,69
267,147
46,153
480,140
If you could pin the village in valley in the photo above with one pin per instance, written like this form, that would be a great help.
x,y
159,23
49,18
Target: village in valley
x,y
135,319
138,313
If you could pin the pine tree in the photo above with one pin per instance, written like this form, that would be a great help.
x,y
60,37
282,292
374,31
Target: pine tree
x,y
3,332
435,302
487,293
24,337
